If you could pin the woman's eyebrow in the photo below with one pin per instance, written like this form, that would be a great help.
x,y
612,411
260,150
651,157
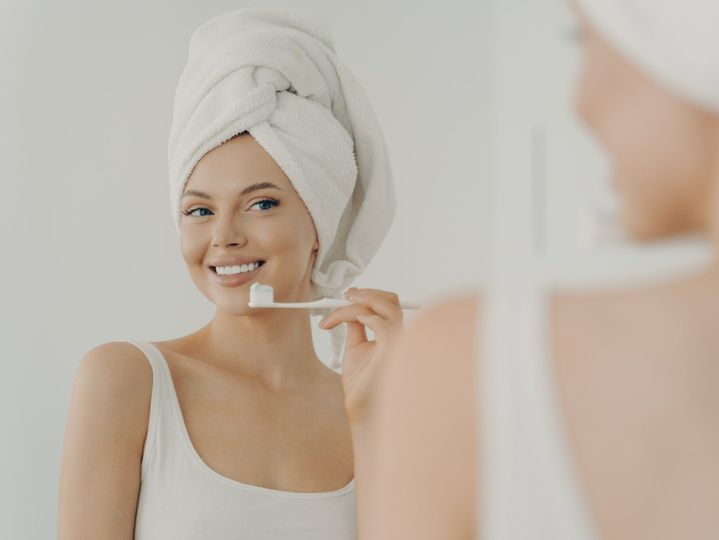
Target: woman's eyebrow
x,y
248,189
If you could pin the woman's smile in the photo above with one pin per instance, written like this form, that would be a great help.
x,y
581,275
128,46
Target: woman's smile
x,y
233,276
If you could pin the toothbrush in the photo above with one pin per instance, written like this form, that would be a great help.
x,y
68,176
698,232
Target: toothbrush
x,y
263,296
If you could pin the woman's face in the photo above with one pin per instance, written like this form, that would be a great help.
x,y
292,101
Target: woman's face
x,y
270,224
662,149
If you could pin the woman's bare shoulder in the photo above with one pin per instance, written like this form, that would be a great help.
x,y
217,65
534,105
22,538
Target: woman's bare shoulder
x,y
116,377
117,365
438,351
447,327
439,345
426,429
104,437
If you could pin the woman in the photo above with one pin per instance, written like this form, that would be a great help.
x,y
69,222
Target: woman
x,y
597,412
278,175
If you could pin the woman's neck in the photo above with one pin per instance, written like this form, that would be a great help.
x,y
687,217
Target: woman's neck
x,y
273,346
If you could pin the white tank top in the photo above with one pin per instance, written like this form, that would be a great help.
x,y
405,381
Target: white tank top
x,y
528,482
182,498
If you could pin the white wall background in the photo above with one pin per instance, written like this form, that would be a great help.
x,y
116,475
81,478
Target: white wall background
x,y
88,252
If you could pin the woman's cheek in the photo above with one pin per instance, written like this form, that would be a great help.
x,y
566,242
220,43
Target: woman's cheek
x,y
189,247
283,234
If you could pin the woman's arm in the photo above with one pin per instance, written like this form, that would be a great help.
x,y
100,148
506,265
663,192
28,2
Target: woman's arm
x,y
420,480
104,437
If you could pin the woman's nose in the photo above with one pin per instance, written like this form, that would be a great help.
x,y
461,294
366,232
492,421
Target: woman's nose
x,y
229,231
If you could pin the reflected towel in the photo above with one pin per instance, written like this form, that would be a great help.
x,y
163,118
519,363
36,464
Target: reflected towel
x,y
676,41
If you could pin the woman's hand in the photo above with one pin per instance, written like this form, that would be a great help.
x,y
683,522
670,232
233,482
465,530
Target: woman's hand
x,y
364,360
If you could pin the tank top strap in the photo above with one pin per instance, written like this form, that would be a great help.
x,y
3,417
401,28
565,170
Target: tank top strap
x,y
527,476
161,405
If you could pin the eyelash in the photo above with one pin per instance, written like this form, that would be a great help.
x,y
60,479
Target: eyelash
x,y
275,202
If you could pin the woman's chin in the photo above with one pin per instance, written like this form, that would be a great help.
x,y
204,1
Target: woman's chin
x,y
234,309
643,227
232,302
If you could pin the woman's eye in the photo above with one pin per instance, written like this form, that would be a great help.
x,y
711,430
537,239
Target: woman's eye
x,y
271,202
266,204
190,212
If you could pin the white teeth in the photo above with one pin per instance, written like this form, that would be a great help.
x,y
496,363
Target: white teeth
x,y
229,270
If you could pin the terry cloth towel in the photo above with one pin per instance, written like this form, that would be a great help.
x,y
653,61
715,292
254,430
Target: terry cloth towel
x,y
274,73
675,41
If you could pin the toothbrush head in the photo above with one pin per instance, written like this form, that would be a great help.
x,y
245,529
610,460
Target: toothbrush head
x,y
261,295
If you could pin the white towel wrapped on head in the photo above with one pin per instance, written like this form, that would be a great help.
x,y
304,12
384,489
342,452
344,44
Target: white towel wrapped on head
x,y
675,41
274,73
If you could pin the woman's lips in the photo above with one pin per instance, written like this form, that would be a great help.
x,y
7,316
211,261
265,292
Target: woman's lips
x,y
235,280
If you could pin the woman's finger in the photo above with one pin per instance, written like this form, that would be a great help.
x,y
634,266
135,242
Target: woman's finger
x,y
391,296
355,317
356,334
382,328
344,314
383,303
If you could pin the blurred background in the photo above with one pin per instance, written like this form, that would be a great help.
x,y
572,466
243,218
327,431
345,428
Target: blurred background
x,y
473,98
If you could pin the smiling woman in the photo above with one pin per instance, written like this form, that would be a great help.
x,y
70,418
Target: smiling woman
x,y
277,230
278,173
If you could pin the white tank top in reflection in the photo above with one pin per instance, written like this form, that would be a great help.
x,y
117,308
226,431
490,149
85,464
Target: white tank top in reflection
x,y
529,485
182,498
528,477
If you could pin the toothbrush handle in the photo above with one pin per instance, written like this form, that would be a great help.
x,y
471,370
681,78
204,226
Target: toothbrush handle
x,y
324,303
333,303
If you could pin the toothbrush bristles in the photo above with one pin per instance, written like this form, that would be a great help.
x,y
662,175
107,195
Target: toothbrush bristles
x,y
261,295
